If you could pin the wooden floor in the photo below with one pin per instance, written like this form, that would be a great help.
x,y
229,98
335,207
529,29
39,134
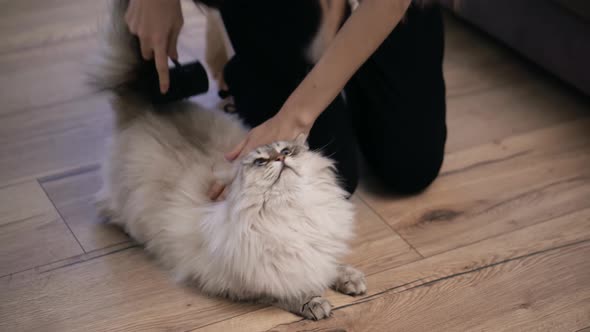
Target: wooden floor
x,y
500,242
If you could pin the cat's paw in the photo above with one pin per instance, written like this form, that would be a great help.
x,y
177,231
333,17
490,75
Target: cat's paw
x,y
350,281
317,308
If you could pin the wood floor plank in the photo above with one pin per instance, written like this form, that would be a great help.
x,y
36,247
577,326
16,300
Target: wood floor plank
x,y
514,152
474,62
492,94
137,295
73,196
51,139
44,76
495,188
45,50
376,247
124,291
31,231
563,231
27,24
480,118
544,292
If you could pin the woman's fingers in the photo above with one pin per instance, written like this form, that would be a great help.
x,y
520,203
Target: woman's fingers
x,y
158,49
173,43
235,153
216,191
157,23
147,51
162,66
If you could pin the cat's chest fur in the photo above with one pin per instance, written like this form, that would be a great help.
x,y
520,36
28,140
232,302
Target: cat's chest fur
x,y
263,249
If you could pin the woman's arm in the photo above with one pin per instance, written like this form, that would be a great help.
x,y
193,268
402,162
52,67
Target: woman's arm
x,y
357,40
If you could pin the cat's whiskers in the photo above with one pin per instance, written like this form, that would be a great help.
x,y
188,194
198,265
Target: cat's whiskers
x,y
321,148
285,165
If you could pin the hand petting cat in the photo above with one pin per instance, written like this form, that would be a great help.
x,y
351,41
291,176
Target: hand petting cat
x,y
359,37
281,127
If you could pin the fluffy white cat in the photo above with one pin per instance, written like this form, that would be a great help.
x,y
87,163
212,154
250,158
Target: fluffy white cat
x,y
279,235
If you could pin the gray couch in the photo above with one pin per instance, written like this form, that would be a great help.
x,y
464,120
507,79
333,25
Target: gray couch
x,y
555,34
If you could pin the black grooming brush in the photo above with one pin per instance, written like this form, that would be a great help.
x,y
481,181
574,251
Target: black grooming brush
x,y
186,80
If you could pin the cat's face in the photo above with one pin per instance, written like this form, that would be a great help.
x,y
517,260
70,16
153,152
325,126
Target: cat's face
x,y
277,166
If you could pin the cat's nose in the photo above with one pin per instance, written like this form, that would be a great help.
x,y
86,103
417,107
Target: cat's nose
x,y
280,158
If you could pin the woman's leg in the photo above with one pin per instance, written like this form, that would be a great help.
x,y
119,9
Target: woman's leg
x,y
398,101
269,39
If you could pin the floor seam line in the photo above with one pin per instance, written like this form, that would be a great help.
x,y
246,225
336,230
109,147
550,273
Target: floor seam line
x,y
391,227
61,216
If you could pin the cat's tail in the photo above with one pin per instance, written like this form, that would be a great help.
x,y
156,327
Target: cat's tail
x,y
118,66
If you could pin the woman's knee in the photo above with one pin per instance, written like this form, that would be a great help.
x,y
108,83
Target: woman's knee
x,y
410,174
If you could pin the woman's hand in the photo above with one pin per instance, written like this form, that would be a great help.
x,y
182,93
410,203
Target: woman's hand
x,y
285,125
157,23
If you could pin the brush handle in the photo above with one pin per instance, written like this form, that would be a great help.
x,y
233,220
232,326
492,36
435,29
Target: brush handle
x,y
186,80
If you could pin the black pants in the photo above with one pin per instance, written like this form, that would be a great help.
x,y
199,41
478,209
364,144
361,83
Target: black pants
x,y
394,106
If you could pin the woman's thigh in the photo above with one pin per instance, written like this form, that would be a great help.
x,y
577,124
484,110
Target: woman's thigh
x,y
398,101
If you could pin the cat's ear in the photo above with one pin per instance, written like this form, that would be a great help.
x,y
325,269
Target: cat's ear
x,y
301,140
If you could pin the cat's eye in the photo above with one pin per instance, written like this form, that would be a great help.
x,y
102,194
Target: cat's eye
x,y
286,152
260,162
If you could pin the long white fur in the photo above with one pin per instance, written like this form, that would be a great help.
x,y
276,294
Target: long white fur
x,y
273,237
